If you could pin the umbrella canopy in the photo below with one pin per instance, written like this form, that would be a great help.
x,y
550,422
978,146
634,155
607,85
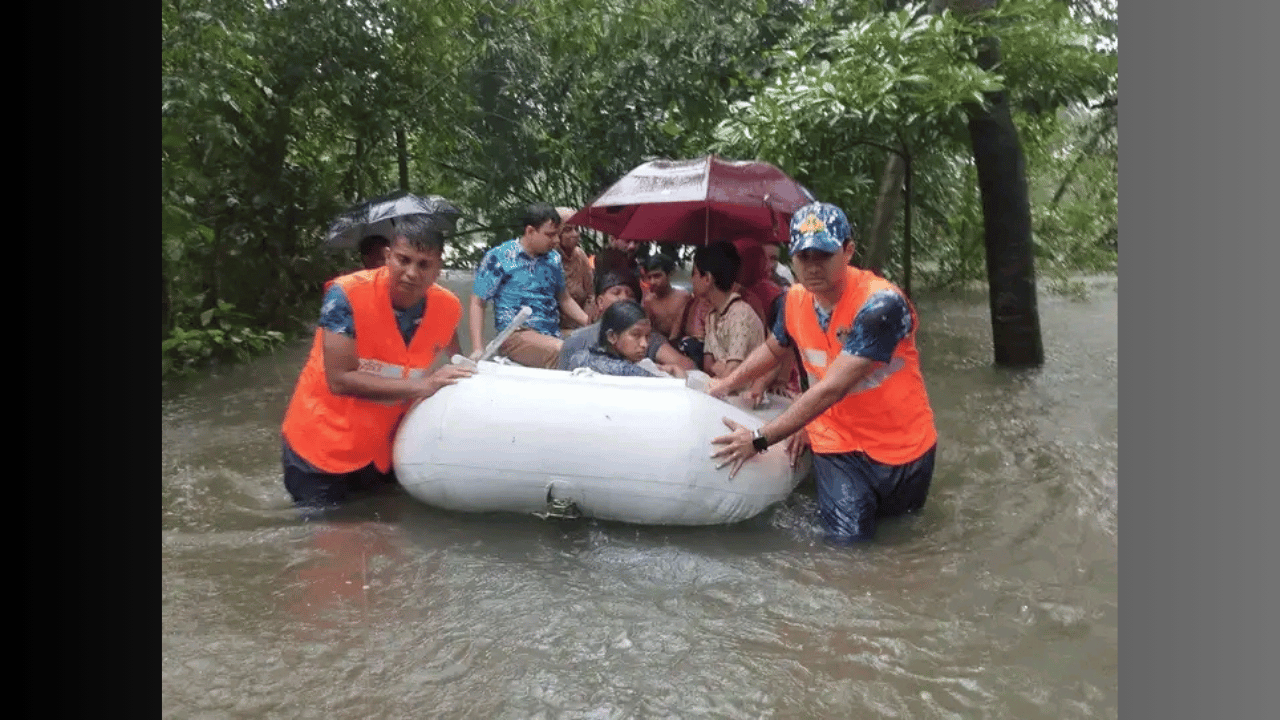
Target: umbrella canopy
x,y
694,201
375,217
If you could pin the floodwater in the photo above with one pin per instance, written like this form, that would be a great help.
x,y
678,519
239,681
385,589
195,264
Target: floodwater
x,y
998,601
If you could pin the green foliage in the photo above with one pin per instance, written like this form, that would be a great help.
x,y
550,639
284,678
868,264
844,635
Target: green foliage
x,y
277,116
217,334
851,89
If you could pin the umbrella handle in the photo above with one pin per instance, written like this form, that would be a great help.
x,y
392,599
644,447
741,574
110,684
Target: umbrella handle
x,y
516,323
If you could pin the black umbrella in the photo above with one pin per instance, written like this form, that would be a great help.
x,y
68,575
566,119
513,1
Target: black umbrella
x,y
377,217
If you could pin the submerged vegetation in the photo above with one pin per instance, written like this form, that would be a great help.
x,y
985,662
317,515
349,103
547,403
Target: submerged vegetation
x,y
277,115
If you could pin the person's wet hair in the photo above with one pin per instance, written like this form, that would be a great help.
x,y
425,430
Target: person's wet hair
x,y
420,231
537,215
660,261
620,316
611,278
372,243
720,260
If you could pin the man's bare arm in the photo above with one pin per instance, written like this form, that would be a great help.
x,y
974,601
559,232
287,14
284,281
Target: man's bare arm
x,y
570,307
475,316
761,360
668,355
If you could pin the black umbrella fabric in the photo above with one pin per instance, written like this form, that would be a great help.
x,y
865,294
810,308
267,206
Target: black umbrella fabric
x,y
377,217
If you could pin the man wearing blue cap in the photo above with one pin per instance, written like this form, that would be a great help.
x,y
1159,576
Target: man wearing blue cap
x,y
866,414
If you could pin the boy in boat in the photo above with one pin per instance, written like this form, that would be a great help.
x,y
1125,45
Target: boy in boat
x,y
663,303
733,329
866,413
525,271
380,331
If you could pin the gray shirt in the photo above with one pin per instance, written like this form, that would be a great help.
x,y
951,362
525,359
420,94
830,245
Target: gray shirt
x,y
585,337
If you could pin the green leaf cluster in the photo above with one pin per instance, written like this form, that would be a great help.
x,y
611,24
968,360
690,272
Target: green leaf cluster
x,y
277,115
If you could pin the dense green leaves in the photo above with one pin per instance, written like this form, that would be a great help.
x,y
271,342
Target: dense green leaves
x,y
277,115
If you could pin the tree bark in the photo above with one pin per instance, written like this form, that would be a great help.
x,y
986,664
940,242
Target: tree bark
x,y
1006,216
402,153
877,247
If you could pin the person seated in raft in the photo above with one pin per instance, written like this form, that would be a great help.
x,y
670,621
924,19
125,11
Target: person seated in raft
x,y
664,302
733,329
611,287
622,342
525,271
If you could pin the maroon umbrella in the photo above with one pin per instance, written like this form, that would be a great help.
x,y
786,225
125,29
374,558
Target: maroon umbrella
x,y
694,201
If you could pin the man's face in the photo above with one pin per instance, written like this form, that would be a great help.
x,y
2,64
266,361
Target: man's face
x,y
544,237
569,236
659,281
412,270
821,272
612,295
626,246
700,281
771,252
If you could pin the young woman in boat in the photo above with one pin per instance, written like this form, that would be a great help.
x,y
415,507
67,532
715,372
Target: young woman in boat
x,y
623,342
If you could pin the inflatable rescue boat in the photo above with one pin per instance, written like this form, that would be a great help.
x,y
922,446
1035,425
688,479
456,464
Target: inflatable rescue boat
x,y
569,444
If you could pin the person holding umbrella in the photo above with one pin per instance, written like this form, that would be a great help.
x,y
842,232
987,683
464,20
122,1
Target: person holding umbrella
x,y
380,331
866,413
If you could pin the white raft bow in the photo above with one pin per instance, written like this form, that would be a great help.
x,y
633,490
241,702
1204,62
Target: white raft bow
x,y
568,444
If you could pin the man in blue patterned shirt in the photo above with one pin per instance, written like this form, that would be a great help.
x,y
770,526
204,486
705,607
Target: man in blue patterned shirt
x,y
525,271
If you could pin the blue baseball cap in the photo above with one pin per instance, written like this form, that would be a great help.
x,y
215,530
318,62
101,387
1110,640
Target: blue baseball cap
x,y
819,226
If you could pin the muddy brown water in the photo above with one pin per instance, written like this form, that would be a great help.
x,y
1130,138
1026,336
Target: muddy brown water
x,y
998,601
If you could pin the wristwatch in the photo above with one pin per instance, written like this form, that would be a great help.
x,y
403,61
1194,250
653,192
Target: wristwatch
x,y
759,441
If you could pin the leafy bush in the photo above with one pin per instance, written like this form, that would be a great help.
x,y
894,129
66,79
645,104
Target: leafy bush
x,y
217,334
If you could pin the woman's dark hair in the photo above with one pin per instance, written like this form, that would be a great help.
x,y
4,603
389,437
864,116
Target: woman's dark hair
x,y
617,319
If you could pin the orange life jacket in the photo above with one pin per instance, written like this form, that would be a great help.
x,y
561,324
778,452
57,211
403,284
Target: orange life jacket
x,y
887,414
339,433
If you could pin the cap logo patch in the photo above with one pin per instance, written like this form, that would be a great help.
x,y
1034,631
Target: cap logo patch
x,y
811,224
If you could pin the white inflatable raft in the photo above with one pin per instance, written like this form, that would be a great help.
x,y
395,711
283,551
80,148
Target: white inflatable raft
x,y
555,443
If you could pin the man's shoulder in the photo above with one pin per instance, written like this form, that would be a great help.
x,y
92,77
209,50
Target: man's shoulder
x,y
505,252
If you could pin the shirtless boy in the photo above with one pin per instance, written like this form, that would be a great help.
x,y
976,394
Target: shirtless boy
x,y
663,303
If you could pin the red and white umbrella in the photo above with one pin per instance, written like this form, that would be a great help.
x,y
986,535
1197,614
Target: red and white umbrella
x,y
695,201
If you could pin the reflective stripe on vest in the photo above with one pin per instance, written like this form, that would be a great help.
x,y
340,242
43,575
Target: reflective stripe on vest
x,y
340,434
887,414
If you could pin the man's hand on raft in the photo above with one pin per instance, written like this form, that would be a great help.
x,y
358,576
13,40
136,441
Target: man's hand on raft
x,y
738,448
719,388
446,375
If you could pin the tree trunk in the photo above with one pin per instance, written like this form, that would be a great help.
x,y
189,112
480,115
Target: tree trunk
x,y
402,153
877,247
1006,216
165,308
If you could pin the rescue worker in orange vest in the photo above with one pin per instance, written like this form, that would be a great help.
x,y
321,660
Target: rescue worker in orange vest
x,y
866,414
380,332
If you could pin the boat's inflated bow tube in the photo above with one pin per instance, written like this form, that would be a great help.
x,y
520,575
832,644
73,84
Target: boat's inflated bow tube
x,y
550,442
